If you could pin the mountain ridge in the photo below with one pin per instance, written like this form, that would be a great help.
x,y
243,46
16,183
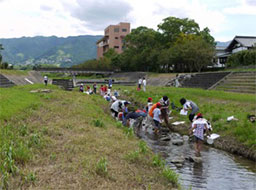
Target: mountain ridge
x,y
62,51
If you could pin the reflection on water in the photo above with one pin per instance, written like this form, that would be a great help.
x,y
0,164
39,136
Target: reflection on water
x,y
218,171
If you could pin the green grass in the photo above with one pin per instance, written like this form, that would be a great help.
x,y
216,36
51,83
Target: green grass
x,y
17,144
253,69
102,167
216,106
13,72
98,123
170,175
58,135
17,140
158,161
14,100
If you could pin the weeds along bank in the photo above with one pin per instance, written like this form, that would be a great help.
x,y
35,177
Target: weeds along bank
x,y
68,140
236,136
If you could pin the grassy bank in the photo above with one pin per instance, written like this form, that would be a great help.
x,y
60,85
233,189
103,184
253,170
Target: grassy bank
x,y
67,140
13,72
68,76
216,106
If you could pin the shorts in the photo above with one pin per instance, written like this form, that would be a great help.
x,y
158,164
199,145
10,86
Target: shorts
x,y
196,139
157,124
191,117
115,112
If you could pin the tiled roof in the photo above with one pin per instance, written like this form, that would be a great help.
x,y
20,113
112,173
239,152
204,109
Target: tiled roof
x,y
245,41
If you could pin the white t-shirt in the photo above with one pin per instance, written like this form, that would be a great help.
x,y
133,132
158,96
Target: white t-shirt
x,y
115,105
187,105
45,78
156,114
113,98
144,82
200,125
150,104
140,81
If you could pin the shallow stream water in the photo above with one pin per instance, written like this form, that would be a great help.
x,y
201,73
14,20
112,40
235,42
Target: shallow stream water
x,y
218,171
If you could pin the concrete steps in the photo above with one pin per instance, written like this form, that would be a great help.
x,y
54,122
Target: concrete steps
x,y
242,82
67,84
5,82
238,90
204,80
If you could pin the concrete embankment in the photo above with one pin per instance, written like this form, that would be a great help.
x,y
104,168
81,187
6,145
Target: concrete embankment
x,y
31,77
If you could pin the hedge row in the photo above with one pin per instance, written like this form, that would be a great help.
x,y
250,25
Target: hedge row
x,y
246,57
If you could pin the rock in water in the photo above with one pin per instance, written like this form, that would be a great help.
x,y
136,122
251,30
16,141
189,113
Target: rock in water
x,y
178,165
185,137
167,138
178,160
195,159
165,130
177,142
175,135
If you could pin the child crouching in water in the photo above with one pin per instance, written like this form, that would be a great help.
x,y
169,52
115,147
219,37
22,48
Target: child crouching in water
x,y
156,118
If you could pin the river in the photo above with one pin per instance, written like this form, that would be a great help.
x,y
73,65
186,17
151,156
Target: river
x,y
219,170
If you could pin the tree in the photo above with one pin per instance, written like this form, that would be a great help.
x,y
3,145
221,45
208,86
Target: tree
x,y
142,37
1,58
178,45
5,65
191,52
141,51
172,27
205,33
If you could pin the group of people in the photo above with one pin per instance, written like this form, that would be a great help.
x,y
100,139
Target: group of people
x,y
154,113
123,111
157,113
142,83
104,89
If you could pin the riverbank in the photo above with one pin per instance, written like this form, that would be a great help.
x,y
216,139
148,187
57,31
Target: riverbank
x,y
238,137
65,140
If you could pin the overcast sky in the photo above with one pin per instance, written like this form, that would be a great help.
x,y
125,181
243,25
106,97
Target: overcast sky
x,y
225,18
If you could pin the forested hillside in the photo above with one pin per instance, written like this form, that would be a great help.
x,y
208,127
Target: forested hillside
x,y
63,52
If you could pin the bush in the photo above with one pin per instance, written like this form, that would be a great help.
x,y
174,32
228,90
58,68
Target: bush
x,y
128,132
132,156
171,176
98,123
158,161
101,167
242,58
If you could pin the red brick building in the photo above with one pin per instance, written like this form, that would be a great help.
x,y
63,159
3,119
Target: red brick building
x,y
113,38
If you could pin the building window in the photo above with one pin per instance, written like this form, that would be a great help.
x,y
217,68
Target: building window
x,y
116,38
124,30
116,47
116,29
